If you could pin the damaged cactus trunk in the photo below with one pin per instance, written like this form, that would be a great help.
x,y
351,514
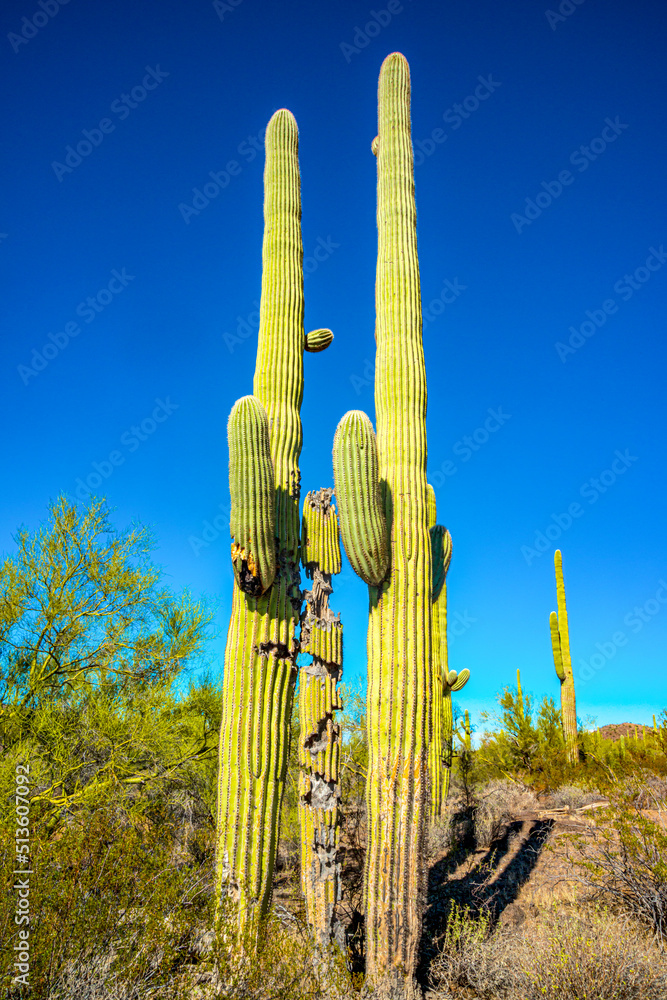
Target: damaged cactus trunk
x,y
260,656
319,733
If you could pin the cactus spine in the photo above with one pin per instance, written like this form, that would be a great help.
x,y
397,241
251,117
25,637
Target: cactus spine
x,y
319,734
560,641
260,656
399,633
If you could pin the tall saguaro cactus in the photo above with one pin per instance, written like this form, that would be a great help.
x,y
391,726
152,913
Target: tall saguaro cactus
x,y
261,651
560,642
319,733
382,497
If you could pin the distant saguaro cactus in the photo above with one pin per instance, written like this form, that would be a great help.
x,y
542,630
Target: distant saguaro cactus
x,y
560,641
381,491
319,733
260,656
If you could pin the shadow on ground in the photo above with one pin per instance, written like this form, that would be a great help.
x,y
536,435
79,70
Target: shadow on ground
x,y
487,884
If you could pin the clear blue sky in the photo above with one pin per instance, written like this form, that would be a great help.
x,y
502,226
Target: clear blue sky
x,y
540,197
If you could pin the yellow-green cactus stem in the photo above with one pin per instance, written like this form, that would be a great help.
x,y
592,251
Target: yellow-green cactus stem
x,y
260,656
467,732
560,642
399,633
319,733
439,754
362,515
451,682
252,490
519,696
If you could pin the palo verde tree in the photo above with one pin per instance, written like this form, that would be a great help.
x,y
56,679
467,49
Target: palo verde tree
x,y
90,642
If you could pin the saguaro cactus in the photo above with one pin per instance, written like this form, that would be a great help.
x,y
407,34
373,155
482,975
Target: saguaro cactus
x,y
382,497
443,681
560,641
261,651
451,681
319,733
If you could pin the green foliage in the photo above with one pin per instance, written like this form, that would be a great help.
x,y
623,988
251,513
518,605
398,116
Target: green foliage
x,y
82,607
523,744
109,905
92,645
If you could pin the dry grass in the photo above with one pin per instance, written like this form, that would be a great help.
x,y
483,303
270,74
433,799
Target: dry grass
x,y
585,955
498,803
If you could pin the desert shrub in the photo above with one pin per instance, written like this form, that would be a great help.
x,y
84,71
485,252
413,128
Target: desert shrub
x,y
498,803
624,860
593,955
524,743
440,834
107,898
572,796
285,966
556,955
471,957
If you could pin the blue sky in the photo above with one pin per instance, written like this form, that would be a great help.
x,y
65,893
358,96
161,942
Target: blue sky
x,y
131,254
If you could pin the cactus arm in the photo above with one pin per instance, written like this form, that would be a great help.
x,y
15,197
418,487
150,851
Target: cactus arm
x,y
447,740
432,506
318,340
252,489
461,680
399,635
319,733
555,645
362,518
441,554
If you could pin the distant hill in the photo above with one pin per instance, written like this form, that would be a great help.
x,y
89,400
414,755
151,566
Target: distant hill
x,y
614,732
